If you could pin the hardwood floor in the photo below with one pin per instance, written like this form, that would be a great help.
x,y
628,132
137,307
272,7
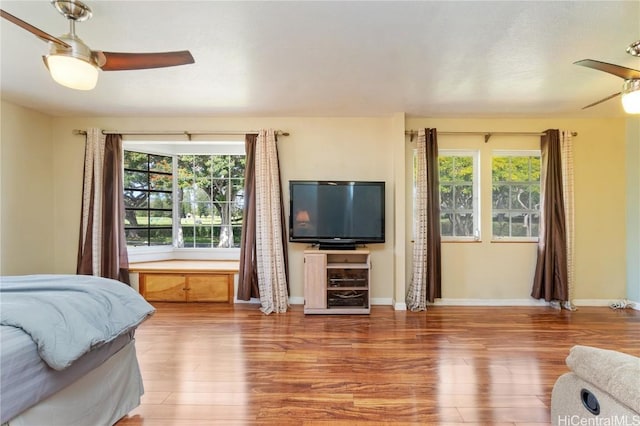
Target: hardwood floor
x,y
206,364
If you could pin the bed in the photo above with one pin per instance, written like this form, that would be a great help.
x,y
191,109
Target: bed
x,y
67,350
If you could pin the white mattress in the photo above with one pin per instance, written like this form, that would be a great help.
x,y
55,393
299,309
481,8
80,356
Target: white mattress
x,y
101,397
25,379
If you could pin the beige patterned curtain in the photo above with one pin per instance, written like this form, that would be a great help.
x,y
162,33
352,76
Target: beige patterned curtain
x,y
566,148
271,250
554,276
426,277
102,247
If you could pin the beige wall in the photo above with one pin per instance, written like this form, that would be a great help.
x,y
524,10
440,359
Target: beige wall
x,y
633,210
335,148
318,148
489,270
27,203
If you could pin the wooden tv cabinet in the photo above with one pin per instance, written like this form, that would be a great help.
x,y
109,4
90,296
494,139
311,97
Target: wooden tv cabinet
x,y
337,281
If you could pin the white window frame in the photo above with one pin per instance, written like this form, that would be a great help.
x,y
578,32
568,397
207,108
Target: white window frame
x,y
475,155
512,153
175,148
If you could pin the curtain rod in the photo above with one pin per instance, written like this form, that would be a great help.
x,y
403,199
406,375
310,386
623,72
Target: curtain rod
x,y
487,135
187,133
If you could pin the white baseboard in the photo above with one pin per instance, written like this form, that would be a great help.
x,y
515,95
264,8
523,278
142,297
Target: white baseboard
x,y
399,306
489,302
402,306
296,300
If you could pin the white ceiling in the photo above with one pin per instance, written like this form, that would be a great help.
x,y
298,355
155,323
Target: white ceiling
x,y
334,58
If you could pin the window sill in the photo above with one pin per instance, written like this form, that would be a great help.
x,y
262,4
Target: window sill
x,y
152,254
514,240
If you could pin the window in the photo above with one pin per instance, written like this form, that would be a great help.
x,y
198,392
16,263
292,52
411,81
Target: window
x,y
190,201
516,194
459,206
148,199
210,199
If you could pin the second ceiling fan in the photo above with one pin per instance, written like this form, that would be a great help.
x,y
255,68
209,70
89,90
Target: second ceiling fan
x,y
73,64
631,86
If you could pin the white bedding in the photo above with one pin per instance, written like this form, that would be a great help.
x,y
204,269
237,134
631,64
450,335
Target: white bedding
x,y
57,333
68,315
100,398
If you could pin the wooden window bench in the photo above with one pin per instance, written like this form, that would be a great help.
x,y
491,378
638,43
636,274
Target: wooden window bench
x,y
186,280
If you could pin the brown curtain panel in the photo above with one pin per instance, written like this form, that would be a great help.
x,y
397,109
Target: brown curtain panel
x,y
248,273
102,248
551,278
434,273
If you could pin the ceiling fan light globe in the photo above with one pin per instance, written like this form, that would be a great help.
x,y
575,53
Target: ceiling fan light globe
x,y
72,72
631,96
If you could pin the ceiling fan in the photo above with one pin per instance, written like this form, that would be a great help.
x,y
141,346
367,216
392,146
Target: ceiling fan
x,y
631,86
73,64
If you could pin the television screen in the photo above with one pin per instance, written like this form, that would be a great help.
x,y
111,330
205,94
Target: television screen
x,y
327,212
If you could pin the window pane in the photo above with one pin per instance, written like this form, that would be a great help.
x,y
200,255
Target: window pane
x,y
188,235
185,173
446,224
463,224
160,237
520,197
535,169
463,169
464,197
500,169
136,180
160,182
520,169
160,163
160,218
135,160
445,166
160,200
457,195
202,236
500,225
535,197
516,195
136,199
500,196
237,166
136,237
446,197
535,224
137,217
519,224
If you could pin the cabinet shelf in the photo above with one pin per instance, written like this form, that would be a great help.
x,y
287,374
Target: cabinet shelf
x,y
336,281
347,265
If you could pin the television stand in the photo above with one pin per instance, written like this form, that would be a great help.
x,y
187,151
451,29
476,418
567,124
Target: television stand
x,y
337,245
336,281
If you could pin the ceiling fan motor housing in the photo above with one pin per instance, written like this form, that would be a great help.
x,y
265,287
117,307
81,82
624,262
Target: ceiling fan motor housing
x,y
77,50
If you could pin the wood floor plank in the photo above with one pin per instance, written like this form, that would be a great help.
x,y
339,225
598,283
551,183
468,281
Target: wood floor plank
x,y
210,364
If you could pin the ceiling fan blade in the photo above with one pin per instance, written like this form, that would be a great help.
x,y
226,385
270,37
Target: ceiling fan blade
x,y
617,70
602,100
33,30
117,61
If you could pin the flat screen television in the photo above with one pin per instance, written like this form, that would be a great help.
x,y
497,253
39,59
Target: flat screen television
x,y
336,214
